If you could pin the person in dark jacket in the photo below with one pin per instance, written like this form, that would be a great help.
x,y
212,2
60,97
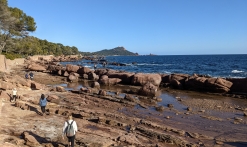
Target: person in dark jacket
x,y
95,66
31,75
43,103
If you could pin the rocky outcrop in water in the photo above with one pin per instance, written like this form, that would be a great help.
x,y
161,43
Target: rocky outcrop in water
x,y
197,83
177,81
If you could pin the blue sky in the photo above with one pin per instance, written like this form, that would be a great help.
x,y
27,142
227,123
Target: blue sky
x,y
162,27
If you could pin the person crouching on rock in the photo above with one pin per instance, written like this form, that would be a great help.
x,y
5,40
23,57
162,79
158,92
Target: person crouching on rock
x,y
26,76
31,75
43,103
14,93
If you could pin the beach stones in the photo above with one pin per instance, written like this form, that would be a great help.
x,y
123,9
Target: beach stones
x,y
160,108
170,105
189,109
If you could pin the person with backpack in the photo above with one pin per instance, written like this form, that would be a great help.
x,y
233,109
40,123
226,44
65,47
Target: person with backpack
x,y
69,129
14,95
43,103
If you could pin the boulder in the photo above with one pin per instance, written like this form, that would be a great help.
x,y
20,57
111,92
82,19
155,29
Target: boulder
x,y
218,85
148,90
113,81
179,77
72,68
176,84
103,80
52,97
101,72
36,67
30,140
142,79
102,92
93,76
60,89
83,70
195,82
165,78
223,82
56,68
125,77
36,86
95,85
60,72
66,74
73,77
85,76
238,85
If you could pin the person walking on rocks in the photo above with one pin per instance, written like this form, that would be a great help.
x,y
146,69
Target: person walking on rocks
x,y
14,95
70,129
43,103
104,64
95,66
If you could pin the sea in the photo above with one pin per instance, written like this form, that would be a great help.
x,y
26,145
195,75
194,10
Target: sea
x,y
225,66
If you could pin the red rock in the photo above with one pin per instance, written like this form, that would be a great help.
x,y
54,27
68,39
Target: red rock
x,y
141,79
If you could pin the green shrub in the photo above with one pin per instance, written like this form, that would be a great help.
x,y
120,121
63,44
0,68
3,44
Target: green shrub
x,y
12,56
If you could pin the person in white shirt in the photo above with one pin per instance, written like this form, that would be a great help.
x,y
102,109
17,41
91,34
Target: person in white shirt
x,y
71,139
14,94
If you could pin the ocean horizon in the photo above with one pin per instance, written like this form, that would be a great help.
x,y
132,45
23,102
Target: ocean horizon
x,y
217,65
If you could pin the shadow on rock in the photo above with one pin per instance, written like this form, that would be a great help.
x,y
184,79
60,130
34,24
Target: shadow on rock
x,y
237,144
33,139
35,110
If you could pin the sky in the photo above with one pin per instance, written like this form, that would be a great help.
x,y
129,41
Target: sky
x,y
161,27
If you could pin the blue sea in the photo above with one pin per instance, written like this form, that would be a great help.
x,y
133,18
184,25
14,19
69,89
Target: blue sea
x,y
225,66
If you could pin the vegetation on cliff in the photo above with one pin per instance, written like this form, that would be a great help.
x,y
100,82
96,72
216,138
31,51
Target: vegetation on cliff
x,y
117,51
15,41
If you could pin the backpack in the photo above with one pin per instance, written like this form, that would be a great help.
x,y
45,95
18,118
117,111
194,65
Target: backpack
x,y
70,130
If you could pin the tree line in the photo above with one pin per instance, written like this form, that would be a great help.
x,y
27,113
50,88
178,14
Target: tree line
x,y
15,27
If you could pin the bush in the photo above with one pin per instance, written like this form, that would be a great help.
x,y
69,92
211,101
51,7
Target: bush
x,y
12,56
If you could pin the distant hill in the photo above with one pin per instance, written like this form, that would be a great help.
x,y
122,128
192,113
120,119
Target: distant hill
x,y
117,51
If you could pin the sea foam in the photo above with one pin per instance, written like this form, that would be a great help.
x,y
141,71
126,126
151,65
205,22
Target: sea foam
x,y
237,71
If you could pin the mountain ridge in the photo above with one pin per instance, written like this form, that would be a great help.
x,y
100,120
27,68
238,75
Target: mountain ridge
x,y
117,51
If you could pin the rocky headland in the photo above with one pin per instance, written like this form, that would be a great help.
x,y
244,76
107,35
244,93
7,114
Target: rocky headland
x,y
116,108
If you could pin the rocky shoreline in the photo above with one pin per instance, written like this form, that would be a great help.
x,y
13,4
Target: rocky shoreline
x,y
129,114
